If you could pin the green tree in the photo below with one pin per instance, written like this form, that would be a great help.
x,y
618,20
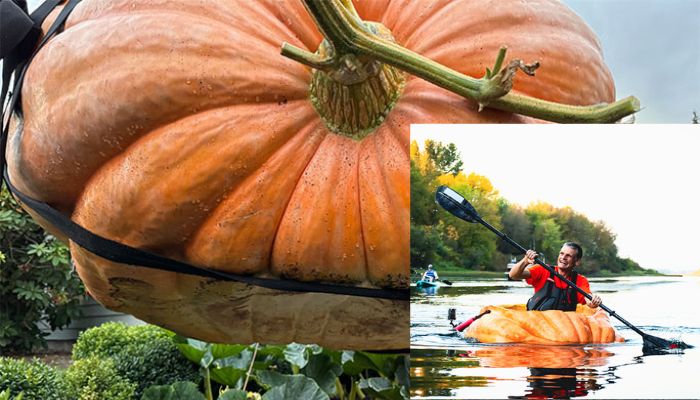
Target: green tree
x,y
516,225
445,158
36,280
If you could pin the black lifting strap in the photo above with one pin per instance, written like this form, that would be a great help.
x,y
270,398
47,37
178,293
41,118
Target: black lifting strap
x,y
109,249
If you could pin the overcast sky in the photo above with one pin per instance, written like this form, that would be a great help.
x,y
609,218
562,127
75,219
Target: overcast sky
x,y
652,48
640,180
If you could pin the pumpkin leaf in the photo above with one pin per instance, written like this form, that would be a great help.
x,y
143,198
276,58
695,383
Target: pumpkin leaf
x,y
207,358
383,388
402,374
176,391
355,362
192,349
227,350
230,370
270,379
297,355
272,350
324,371
296,387
233,394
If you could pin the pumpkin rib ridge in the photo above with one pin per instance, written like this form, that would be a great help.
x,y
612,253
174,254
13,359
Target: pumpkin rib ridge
x,y
550,321
360,214
116,157
136,232
371,7
407,40
291,195
288,29
383,155
306,130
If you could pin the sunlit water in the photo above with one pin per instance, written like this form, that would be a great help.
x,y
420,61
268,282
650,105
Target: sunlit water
x,y
445,365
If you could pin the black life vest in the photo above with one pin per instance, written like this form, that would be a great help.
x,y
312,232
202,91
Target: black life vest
x,y
550,297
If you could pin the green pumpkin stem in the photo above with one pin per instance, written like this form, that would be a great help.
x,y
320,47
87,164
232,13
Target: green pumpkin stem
x,y
346,34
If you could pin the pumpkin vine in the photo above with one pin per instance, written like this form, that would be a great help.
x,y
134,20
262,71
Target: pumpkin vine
x,y
338,22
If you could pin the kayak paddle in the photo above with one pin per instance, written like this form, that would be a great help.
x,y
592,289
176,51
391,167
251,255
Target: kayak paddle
x,y
458,206
446,282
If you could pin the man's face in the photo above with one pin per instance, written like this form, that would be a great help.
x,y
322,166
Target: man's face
x,y
567,258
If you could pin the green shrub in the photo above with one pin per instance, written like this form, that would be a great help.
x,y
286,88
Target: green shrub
x,y
34,379
145,355
96,379
36,280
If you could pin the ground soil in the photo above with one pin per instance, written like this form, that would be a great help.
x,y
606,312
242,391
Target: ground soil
x,y
55,359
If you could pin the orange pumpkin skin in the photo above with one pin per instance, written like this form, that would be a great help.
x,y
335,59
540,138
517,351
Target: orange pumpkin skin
x,y
176,127
514,324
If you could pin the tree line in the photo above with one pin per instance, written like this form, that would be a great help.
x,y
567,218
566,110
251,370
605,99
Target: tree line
x,y
441,239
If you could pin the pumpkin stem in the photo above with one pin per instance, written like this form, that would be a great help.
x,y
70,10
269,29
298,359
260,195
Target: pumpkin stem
x,y
352,93
345,34
498,82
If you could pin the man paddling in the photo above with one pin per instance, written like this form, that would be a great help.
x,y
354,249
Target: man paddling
x,y
550,292
430,275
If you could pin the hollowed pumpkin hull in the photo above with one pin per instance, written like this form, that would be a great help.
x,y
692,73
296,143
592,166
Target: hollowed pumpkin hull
x,y
514,324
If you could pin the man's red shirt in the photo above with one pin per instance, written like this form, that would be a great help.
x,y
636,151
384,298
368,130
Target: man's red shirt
x,y
539,275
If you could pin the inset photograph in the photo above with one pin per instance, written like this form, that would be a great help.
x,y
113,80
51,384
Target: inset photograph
x,y
549,263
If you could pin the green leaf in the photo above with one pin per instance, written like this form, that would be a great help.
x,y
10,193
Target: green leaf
x,y
355,362
324,371
402,374
207,358
231,370
163,392
383,388
298,387
270,379
192,349
233,394
227,350
272,350
296,354
176,391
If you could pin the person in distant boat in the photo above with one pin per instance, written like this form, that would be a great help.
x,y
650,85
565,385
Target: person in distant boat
x,y
551,293
430,275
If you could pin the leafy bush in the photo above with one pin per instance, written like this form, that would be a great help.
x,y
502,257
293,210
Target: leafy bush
x,y
145,355
6,395
36,280
34,379
96,379
294,371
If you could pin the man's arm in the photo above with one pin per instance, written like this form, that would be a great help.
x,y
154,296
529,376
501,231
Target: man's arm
x,y
520,270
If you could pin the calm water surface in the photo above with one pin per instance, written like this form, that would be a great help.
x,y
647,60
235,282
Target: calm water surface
x,y
445,365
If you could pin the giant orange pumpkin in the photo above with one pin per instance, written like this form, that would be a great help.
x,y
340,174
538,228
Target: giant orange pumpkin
x,y
176,126
514,324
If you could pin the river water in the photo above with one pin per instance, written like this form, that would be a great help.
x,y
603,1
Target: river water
x,y
445,365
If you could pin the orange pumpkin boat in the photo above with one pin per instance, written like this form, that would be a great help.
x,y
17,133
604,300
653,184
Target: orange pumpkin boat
x,y
514,324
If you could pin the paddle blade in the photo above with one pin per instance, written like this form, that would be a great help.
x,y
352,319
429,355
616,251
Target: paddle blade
x,y
455,204
657,345
446,282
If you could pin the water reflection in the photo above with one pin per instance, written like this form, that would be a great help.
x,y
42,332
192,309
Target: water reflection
x,y
558,383
454,291
540,356
550,371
